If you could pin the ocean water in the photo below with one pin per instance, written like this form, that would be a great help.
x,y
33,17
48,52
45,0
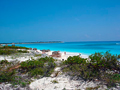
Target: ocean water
x,y
80,47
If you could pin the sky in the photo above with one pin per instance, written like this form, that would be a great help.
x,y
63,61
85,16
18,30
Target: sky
x,y
59,20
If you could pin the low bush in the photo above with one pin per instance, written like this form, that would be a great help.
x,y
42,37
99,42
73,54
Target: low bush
x,y
36,55
104,61
31,64
7,52
42,66
7,71
24,51
99,67
7,76
75,60
13,47
54,81
23,84
18,73
36,71
118,56
92,88
10,74
4,62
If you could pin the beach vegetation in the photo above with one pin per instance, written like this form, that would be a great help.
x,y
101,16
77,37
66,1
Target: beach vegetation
x,y
13,47
104,62
4,62
92,88
7,50
18,73
103,67
7,73
64,89
36,55
23,84
75,60
54,81
119,56
7,76
22,51
42,66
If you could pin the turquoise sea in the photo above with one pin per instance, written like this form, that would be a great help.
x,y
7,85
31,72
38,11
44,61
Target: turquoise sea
x,y
88,48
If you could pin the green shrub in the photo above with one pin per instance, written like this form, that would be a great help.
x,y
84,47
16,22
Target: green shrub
x,y
92,88
13,47
7,76
104,62
23,84
111,79
42,66
75,60
11,75
36,55
84,71
36,71
31,64
46,59
4,62
116,77
24,51
54,81
11,51
118,56
49,68
7,52
99,67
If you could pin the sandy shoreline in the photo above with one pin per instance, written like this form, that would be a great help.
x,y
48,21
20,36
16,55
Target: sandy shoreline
x,y
28,57
65,56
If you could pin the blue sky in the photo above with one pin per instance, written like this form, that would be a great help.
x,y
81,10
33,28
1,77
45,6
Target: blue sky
x,y
59,20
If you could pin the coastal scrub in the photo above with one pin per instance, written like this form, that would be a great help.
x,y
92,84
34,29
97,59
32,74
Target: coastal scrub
x,y
42,66
18,73
7,50
103,67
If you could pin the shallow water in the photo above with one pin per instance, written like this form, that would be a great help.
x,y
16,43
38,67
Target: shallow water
x,y
80,47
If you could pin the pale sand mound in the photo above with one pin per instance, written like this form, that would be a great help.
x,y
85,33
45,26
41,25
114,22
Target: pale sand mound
x,y
60,82
63,81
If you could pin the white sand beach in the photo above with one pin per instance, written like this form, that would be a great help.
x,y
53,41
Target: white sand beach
x,y
63,56
28,57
